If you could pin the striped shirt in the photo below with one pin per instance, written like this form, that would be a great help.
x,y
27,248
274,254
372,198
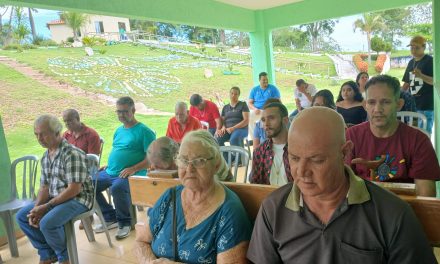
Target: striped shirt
x,y
68,165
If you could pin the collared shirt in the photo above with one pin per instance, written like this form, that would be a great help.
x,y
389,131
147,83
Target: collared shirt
x,y
88,140
371,225
175,130
260,95
69,165
209,114
262,163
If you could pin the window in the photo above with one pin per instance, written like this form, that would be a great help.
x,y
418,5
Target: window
x,y
99,27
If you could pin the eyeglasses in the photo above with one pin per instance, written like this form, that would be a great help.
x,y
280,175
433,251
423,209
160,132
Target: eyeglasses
x,y
196,163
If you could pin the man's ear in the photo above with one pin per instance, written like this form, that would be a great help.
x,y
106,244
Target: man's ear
x,y
400,104
346,148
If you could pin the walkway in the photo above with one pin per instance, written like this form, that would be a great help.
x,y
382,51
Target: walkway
x,y
344,67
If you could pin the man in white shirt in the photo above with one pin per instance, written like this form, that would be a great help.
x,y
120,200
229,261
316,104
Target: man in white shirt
x,y
303,93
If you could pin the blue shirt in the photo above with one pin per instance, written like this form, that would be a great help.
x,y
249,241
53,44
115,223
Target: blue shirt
x,y
260,95
129,148
228,226
259,131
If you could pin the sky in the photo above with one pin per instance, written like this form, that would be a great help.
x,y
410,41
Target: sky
x,y
343,33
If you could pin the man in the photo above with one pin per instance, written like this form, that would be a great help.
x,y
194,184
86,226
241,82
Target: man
x,y
386,149
257,97
418,79
329,215
181,123
80,135
65,192
303,94
205,111
269,162
127,157
161,154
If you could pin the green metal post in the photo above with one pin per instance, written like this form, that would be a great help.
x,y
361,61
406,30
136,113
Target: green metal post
x,y
436,46
261,49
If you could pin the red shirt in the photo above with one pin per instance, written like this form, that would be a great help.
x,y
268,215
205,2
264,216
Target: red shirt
x,y
175,131
209,114
406,155
88,140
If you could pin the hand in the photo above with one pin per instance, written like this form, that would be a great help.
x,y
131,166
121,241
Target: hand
x,y
220,132
127,172
33,221
257,111
230,130
36,214
417,73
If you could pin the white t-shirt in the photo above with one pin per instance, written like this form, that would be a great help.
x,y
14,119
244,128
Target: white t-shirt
x,y
277,172
304,101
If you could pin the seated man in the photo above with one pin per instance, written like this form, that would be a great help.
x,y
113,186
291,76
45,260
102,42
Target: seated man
x,y
269,162
65,192
386,149
161,154
127,157
329,215
80,135
259,136
205,111
181,123
303,94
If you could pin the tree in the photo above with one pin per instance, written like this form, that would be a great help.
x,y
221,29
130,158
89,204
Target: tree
x,y
290,37
319,29
420,14
369,24
32,23
425,30
75,21
378,44
20,29
395,21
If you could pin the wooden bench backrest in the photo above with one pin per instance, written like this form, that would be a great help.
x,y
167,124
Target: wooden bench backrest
x,y
145,192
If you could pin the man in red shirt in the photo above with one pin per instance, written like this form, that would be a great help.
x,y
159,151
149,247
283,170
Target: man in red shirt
x,y
386,149
80,135
181,123
205,111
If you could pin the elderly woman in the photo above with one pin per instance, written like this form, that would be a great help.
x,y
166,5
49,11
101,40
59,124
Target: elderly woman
x,y
211,225
235,117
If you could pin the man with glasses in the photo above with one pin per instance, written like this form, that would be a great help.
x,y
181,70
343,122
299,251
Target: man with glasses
x,y
418,79
127,157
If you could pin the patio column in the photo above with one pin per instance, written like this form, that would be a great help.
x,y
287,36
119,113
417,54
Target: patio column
x,y
261,49
5,166
436,46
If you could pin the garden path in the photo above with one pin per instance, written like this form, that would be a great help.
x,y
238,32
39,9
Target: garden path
x,y
344,66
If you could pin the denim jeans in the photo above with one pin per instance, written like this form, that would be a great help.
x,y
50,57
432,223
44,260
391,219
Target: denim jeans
x,y
121,198
430,120
50,238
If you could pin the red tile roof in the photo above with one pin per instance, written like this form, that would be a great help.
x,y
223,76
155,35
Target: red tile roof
x,y
55,22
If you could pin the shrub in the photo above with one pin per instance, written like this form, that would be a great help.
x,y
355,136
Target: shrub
x,y
12,47
70,39
88,41
378,67
38,39
359,62
29,46
102,51
48,42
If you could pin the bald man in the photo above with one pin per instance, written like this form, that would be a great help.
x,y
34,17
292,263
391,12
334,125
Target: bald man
x,y
80,135
330,215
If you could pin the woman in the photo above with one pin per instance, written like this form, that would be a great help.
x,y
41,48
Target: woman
x,y
349,104
235,117
212,225
361,79
324,98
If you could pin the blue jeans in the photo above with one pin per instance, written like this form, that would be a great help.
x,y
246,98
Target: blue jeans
x,y
235,139
430,119
121,198
50,238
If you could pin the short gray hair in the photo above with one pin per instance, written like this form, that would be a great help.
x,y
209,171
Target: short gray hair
x,y
181,105
126,100
166,152
52,121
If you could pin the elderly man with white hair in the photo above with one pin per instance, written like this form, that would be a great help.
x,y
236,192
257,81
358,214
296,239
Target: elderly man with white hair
x,y
65,191
181,123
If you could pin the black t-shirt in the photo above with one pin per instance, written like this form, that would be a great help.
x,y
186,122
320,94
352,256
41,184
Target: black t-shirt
x,y
423,93
234,115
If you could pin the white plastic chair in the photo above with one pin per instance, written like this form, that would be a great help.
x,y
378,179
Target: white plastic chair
x,y
402,115
29,166
92,164
236,151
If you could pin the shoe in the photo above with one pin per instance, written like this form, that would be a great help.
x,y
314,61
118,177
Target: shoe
x,y
123,232
100,228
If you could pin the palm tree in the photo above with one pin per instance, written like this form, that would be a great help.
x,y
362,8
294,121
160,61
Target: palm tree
x,y
369,23
32,23
75,21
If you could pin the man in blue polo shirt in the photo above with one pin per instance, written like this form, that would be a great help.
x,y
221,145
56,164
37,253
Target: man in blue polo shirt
x,y
258,96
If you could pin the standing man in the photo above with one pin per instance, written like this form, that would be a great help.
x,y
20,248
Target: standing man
x,y
181,123
65,191
388,150
80,135
258,96
270,162
205,111
303,94
329,215
127,157
418,79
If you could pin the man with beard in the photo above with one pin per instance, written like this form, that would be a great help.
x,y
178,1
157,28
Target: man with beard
x,y
270,162
127,157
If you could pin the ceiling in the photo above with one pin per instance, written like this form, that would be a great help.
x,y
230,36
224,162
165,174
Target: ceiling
x,y
258,4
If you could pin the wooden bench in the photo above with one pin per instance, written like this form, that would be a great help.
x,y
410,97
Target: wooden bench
x,y
145,192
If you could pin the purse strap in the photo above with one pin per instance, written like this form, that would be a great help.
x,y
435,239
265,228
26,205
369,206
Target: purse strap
x,y
173,197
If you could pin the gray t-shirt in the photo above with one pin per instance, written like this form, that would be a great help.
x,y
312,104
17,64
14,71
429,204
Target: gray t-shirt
x,y
234,115
371,225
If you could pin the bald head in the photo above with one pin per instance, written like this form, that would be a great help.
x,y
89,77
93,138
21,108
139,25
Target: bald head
x,y
161,154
